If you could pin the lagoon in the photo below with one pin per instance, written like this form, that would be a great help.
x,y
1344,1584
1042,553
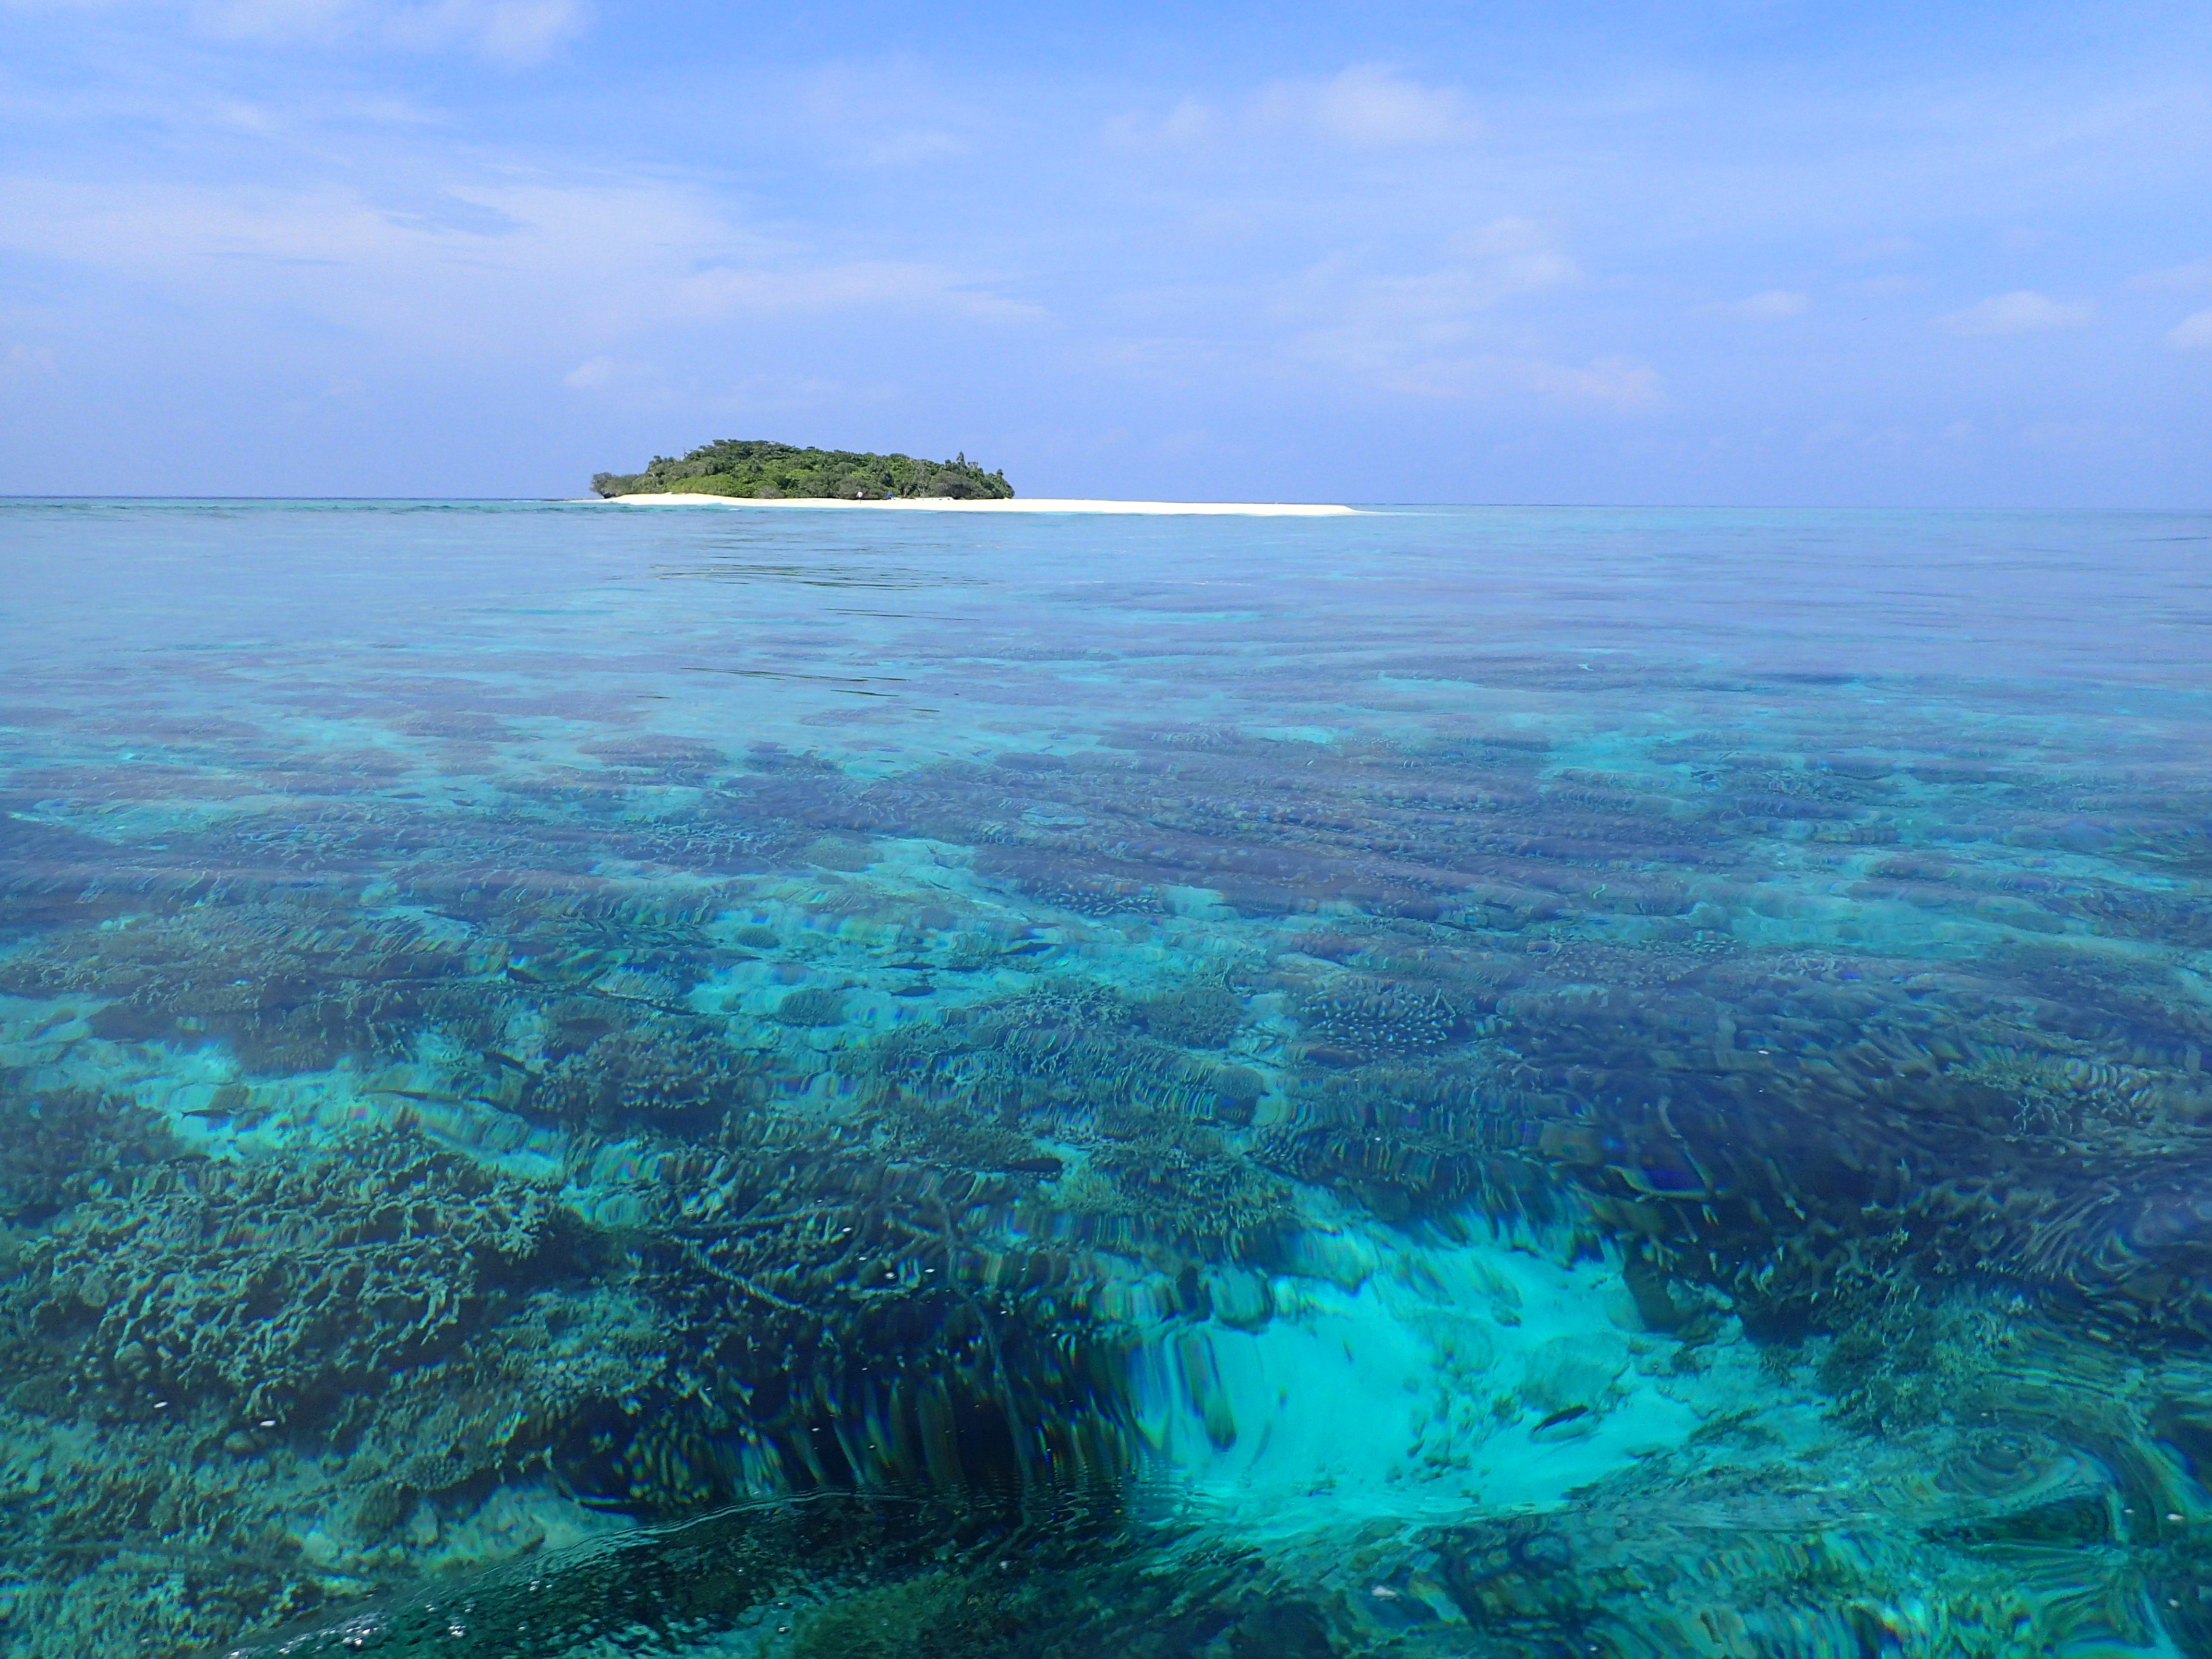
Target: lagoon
x,y
1434,1080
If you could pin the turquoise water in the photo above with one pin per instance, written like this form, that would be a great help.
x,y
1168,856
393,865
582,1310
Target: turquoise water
x,y
578,1081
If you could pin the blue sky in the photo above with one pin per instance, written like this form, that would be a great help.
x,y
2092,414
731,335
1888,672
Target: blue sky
x,y
1756,252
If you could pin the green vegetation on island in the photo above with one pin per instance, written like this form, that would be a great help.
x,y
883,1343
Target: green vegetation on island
x,y
770,471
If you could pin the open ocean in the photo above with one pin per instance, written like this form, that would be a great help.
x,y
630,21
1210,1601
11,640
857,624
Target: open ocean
x,y
774,1083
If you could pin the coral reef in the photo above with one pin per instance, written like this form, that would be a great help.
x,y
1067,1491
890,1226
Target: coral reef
x,y
1414,1136
283,1290
1378,1017
1157,1176
658,1074
451,1105
839,1311
61,1146
1068,1060
851,1574
815,1005
142,1542
1195,1016
286,991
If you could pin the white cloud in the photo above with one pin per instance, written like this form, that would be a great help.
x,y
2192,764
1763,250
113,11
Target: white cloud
x,y
1188,122
277,20
888,115
520,32
1518,256
1370,107
1882,287
2192,333
2184,277
512,34
1414,331
2021,312
597,375
1618,383
1363,107
627,383
488,267
1773,303
1436,334
856,284
1894,442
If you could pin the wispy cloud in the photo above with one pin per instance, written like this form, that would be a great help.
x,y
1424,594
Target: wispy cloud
x,y
1423,331
608,374
2192,333
1620,384
1773,304
1441,333
1370,107
2194,275
1875,287
1366,106
853,285
485,264
1354,262
509,34
888,115
2020,312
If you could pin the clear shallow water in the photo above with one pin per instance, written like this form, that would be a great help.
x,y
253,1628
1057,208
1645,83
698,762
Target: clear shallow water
x,y
1452,1082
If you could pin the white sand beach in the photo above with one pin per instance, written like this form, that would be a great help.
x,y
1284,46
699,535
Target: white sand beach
x,y
942,504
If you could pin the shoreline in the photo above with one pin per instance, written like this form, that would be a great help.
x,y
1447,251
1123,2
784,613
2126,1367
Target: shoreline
x,y
945,504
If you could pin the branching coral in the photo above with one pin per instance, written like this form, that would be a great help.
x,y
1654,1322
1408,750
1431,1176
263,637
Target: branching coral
x,y
1089,885
841,1312
502,1403
277,1289
288,988
1908,1128
1195,1016
656,1073
564,935
1412,1137
1060,1050
1156,1177
815,1005
1379,1017
1067,1057
143,1543
57,1146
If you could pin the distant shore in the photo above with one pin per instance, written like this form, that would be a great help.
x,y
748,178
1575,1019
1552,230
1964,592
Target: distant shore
x,y
942,504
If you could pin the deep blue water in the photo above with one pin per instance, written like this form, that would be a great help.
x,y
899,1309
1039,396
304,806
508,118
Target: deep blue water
x,y
577,1080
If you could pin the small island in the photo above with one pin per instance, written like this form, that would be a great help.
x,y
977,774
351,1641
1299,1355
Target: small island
x,y
755,469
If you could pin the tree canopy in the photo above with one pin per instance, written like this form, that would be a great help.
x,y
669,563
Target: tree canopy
x,y
765,470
